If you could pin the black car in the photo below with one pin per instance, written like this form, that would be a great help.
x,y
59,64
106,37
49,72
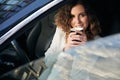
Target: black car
x,y
27,28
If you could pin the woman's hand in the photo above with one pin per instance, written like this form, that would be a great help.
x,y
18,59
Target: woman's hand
x,y
75,39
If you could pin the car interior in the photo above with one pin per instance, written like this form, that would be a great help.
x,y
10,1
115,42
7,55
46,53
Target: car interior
x,y
33,40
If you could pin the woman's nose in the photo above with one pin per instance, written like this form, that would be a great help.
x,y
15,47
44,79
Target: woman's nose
x,y
77,20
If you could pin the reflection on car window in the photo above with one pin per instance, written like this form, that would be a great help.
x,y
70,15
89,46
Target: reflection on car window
x,y
9,7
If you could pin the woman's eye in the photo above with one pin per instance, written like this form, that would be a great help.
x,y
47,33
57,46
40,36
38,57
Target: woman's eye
x,y
83,14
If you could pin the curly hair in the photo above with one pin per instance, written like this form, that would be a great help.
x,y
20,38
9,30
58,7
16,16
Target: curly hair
x,y
63,18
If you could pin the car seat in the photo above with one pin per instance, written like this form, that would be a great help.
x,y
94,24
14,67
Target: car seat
x,y
39,39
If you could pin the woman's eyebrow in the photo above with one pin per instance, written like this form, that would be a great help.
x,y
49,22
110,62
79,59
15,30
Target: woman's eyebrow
x,y
83,13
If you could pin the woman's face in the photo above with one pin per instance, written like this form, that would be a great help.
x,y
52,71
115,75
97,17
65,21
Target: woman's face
x,y
79,17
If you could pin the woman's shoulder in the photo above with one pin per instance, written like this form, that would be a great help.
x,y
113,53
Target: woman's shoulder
x,y
60,31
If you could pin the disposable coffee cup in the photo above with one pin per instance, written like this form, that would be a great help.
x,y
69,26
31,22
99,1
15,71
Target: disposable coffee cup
x,y
76,29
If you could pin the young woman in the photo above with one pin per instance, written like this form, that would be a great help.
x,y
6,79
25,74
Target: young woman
x,y
75,14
